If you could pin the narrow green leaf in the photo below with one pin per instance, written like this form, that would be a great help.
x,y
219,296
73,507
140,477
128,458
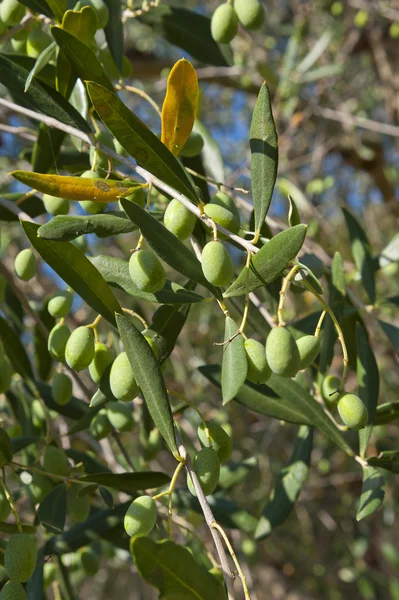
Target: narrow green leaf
x,y
368,381
128,482
34,586
361,253
386,413
42,60
139,141
77,271
116,272
33,206
74,409
288,485
46,149
39,6
47,75
15,350
293,214
270,262
85,62
11,528
234,362
389,460
173,570
372,495
264,156
390,253
114,32
167,323
149,378
392,333
167,245
43,360
52,509
21,442
232,474
90,464
211,153
64,228
39,96
58,7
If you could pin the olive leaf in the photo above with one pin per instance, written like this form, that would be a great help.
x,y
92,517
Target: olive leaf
x,y
368,381
234,361
372,494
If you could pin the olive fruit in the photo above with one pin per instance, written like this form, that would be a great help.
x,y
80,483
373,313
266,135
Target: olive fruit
x,y
20,557
222,199
308,348
121,379
140,517
60,304
25,264
353,411
61,390
329,387
207,468
90,206
250,13
55,461
221,441
57,341
217,264
103,357
151,443
11,12
258,369
120,415
13,590
138,196
146,271
79,350
5,508
224,24
78,507
193,145
222,216
39,487
89,560
38,413
37,41
55,206
282,353
100,8
100,427
179,220
5,376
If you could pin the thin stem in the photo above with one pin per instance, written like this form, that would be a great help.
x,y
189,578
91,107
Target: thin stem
x,y
283,292
218,184
41,472
136,316
142,94
12,505
169,493
246,308
234,557
319,324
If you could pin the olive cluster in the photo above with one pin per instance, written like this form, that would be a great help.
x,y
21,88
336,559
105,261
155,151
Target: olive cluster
x,y
225,19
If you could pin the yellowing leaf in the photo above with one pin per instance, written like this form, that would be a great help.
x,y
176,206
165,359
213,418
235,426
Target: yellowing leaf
x,y
180,106
81,23
77,188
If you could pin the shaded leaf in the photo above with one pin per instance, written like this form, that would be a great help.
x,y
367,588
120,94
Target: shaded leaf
x,y
264,156
368,381
42,60
166,325
77,271
173,570
149,378
361,254
43,360
74,409
234,362
392,333
114,32
91,465
11,528
15,350
235,473
293,214
128,482
85,420
34,586
386,413
270,262
46,149
65,228
58,7
39,6
33,206
372,495
389,460
288,485
21,442
52,509
211,153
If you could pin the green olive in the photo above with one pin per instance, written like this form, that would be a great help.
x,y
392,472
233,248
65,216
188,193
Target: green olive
x,y
217,264
61,390
57,341
308,348
146,271
103,357
20,557
38,413
207,468
89,560
79,350
282,352
60,304
222,216
78,507
220,440
224,24
100,427
122,382
258,369
329,387
250,13
120,415
353,411
25,264
55,206
179,220
140,517
193,146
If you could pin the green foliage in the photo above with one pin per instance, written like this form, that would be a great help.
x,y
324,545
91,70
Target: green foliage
x,y
13,590
207,468
20,557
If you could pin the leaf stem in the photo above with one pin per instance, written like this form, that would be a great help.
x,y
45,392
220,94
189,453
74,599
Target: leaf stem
x,y
142,94
283,292
136,316
241,575
319,324
12,505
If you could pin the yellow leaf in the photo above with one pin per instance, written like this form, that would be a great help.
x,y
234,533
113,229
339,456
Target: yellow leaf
x,y
77,188
180,106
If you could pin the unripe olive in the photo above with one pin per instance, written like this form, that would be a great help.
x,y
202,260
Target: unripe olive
x,y
282,352
329,387
151,444
25,264
13,590
121,379
37,41
258,369
224,24
100,427
79,350
90,206
250,13
89,560
60,304
207,468
55,461
11,12
100,8
353,411
57,341
146,271
5,376
308,348
221,441
5,508
193,146
38,413
61,390
139,196
98,159
120,415
20,557
222,216
179,220
222,199
78,507
140,517
103,357
55,206
39,487
217,264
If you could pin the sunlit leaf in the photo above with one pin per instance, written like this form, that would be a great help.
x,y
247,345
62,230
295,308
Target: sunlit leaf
x,y
368,381
42,60
372,495
234,361
65,228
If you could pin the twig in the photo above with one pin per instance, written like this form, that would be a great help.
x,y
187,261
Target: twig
x,y
348,119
